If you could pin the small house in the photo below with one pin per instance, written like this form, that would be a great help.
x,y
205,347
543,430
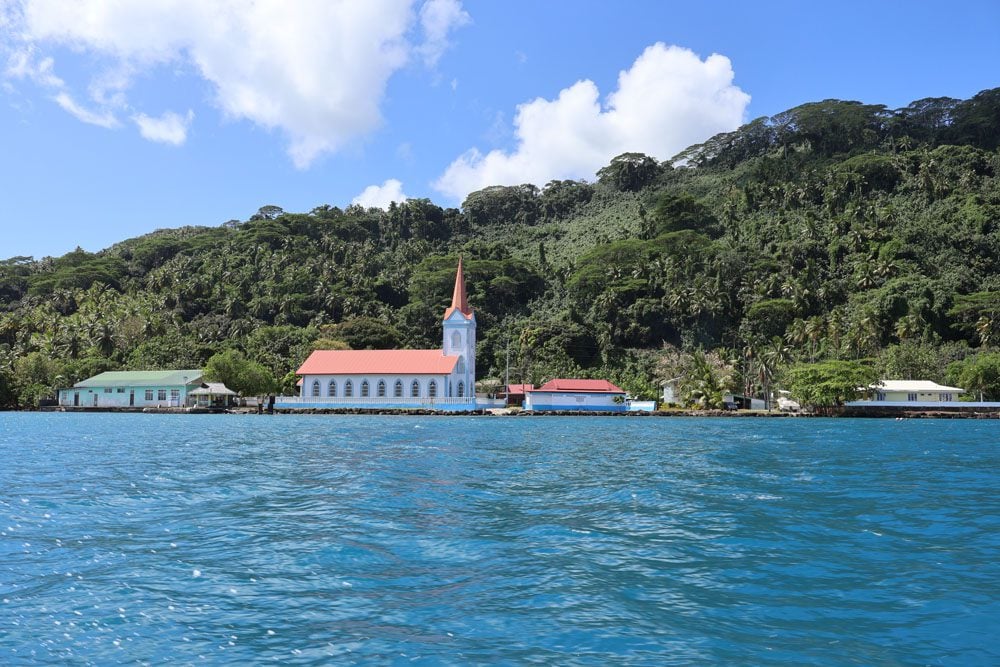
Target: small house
x,y
132,389
900,391
576,395
515,393
212,395
671,391
742,402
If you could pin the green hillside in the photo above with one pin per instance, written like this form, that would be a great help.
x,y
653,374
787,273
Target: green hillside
x,y
833,232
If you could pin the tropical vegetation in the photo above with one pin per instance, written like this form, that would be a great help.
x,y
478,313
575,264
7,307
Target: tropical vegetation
x,y
832,238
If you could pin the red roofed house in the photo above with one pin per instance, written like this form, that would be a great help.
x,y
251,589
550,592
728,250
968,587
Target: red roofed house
x,y
442,379
515,393
576,395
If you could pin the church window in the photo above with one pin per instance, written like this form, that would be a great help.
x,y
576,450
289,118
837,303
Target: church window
x,y
432,389
381,388
460,366
364,389
461,389
397,389
456,340
315,388
415,389
348,389
331,390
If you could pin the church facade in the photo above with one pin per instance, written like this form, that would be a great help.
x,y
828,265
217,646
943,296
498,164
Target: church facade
x,y
441,379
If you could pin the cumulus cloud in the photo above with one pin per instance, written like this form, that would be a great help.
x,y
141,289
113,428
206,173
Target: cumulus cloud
x,y
380,196
170,128
438,18
314,70
668,100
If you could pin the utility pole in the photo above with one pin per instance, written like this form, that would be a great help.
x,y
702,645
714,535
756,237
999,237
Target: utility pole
x,y
506,373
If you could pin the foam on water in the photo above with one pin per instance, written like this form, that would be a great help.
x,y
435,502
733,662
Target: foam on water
x,y
179,539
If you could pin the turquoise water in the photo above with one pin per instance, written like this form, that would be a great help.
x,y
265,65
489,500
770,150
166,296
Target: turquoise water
x,y
465,540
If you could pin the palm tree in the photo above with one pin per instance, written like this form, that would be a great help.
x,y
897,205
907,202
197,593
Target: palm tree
x,y
909,326
772,356
69,342
986,329
102,336
796,334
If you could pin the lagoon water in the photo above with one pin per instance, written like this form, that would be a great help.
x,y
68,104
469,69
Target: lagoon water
x,y
470,540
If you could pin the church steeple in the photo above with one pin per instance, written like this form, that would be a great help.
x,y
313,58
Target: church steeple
x,y
459,329
459,300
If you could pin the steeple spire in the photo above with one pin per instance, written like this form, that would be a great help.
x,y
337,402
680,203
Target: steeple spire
x,y
459,301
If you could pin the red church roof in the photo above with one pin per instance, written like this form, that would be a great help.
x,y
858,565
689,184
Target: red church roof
x,y
581,386
459,300
378,362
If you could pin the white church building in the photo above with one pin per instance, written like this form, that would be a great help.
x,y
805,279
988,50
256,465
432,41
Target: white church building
x,y
441,379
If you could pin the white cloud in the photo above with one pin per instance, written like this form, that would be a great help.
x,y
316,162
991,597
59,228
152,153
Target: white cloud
x,y
438,18
103,119
23,64
668,100
313,69
380,196
170,128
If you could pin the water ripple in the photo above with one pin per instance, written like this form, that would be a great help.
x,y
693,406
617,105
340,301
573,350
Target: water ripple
x,y
310,540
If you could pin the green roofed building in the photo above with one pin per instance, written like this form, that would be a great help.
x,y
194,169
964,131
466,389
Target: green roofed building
x,y
133,389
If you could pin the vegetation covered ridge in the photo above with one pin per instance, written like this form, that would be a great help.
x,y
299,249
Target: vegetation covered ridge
x,y
831,244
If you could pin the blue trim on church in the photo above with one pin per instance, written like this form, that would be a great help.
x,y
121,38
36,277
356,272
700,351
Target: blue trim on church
x,y
334,405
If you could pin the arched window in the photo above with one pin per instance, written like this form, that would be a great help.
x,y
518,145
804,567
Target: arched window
x,y
315,389
397,389
460,366
456,340
381,388
432,389
461,389
415,389
364,389
331,389
348,389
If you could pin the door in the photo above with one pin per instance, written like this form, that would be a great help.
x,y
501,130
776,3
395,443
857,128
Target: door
x,y
131,398
95,399
76,399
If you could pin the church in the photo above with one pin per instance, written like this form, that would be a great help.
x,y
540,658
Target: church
x,y
433,379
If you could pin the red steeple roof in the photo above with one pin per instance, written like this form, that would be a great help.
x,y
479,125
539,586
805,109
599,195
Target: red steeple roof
x,y
459,301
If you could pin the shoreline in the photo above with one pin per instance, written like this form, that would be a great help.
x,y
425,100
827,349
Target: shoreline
x,y
863,413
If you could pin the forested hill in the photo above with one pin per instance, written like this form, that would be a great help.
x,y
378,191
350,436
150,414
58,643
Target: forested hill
x,y
835,230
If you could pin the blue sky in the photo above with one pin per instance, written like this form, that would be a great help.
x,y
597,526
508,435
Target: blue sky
x,y
123,117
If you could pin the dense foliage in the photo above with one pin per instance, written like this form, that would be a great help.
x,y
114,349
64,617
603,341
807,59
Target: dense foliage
x,y
833,232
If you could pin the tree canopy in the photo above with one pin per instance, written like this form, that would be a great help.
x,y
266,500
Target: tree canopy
x,y
832,233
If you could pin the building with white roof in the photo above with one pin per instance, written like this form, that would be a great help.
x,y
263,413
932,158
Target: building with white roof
x,y
913,390
904,397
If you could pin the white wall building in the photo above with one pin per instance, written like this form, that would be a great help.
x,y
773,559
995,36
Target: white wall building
x,y
442,379
132,389
576,395
913,390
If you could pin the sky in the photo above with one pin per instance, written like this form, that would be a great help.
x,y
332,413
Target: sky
x,y
119,117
